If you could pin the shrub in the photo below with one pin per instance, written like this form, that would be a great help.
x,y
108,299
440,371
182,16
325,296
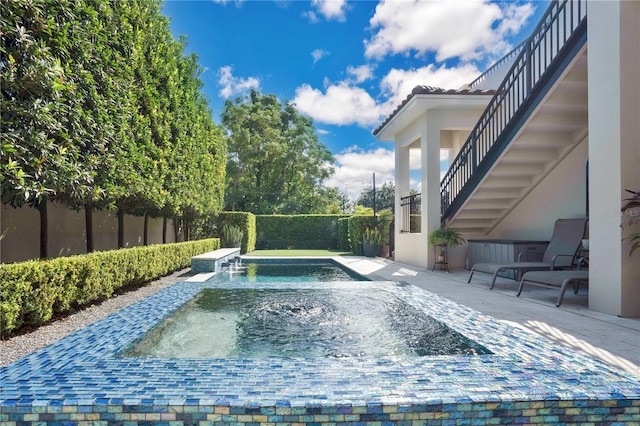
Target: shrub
x,y
343,233
304,231
231,235
243,220
32,292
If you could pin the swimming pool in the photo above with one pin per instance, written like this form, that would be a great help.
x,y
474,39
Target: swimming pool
x,y
330,320
288,270
525,379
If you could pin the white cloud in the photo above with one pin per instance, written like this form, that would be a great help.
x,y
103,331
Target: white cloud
x,y
235,85
341,104
345,103
361,73
397,84
465,29
312,16
330,9
318,54
355,166
238,3
323,131
515,18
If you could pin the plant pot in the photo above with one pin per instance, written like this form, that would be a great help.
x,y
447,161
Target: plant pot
x,y
384,251
370,250
234,245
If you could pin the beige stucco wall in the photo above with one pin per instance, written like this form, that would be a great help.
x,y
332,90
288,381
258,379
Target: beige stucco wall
x,y
614,66
20,230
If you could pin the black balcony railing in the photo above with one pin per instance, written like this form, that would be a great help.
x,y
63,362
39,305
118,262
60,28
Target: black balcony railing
x,y
410,211
560,29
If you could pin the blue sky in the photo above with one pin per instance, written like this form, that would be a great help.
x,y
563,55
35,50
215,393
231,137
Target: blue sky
x,y
348,65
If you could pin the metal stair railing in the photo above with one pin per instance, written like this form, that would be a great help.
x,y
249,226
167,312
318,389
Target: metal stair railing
x,y
495,67
542,50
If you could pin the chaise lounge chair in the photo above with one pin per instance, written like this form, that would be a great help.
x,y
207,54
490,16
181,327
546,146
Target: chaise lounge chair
x,y
560,279
560,253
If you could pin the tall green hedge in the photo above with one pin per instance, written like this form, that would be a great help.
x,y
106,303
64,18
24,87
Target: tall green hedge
x,y
246,222
101,106
311,231
32,292
343,234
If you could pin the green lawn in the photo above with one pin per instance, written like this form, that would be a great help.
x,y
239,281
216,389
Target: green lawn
x,y
299,252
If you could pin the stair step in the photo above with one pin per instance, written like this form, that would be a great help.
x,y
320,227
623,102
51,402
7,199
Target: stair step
x,y
517,155
472,232
495,182
489,204
512,170
569,96
496,194
533,140
555,121
480,214
463,224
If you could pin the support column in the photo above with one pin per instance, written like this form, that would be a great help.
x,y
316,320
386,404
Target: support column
x,y
402,156
614,154
430,158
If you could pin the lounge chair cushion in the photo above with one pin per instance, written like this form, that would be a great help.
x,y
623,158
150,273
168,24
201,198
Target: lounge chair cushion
x,y
560,279
492,268
555,278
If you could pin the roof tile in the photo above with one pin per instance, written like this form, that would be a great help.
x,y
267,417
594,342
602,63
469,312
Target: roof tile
x,y
430,90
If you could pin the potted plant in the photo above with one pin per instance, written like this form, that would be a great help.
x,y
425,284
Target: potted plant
x,y
442,238
371,240
232,236
445,236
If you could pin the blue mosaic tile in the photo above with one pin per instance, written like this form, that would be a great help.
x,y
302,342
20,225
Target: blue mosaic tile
x,y
86,368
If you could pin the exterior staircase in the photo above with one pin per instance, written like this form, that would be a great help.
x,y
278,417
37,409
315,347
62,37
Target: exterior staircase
x,y
537,117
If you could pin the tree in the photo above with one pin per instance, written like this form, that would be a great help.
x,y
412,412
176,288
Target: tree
x,y
275,162
346,205
195,175
38,155
385,197
102,109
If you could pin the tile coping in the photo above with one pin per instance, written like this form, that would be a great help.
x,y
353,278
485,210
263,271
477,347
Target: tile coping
x,y
85,368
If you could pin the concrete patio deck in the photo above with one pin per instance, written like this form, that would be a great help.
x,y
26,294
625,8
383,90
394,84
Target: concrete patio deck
x,y
609,338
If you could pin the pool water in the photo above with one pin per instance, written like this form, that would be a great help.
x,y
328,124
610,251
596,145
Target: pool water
x,y
290,272
330,320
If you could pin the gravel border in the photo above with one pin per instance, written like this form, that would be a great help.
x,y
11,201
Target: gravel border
x,y
19,346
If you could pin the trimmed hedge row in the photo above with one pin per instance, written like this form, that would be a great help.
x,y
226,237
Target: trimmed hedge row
x,y
308,231
245,221
32,292
343,234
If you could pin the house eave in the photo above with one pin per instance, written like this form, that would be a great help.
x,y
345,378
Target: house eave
x,y
417,104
